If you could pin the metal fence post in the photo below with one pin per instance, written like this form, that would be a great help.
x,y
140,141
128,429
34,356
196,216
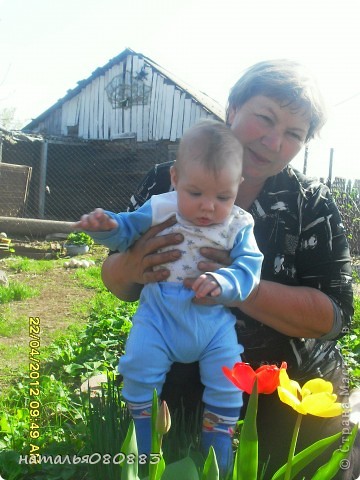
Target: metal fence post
x,y
329,180
42,178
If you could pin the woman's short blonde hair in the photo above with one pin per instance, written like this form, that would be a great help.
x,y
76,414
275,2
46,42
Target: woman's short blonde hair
x,y
286,81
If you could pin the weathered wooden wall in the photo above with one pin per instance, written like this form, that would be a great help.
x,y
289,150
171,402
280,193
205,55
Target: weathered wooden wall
x,y
130,97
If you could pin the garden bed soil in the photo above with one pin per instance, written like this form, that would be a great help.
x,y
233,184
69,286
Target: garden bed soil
x,y
34,250
55,305
59,292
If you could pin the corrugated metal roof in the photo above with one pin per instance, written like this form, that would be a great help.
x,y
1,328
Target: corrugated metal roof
x,y
209,103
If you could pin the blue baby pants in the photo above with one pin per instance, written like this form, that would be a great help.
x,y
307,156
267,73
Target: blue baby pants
x,y
168,328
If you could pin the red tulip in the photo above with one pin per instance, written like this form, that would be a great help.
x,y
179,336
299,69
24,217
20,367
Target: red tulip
x,y
243,377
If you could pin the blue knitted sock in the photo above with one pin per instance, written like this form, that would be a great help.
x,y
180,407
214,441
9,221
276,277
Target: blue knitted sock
x,y
141,414
218,428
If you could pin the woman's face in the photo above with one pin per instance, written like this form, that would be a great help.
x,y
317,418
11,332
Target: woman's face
x,y
270,133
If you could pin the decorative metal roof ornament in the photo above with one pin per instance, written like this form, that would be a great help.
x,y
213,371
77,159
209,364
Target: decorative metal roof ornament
x,y
122,95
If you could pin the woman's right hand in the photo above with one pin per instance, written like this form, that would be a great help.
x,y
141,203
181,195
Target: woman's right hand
x,y
124,274
213,260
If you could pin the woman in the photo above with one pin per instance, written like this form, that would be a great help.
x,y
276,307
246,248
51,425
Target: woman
x,y
303,303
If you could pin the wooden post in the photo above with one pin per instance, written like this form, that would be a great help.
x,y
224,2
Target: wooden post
x,y
35,228
330,167
42,178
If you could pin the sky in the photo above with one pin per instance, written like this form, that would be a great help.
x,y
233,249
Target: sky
x,y
47,46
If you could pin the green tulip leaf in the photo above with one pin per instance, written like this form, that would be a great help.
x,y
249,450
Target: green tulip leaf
x,y
156,470
306,456
155,441
338,459
130,470
211,469
246,466
184,468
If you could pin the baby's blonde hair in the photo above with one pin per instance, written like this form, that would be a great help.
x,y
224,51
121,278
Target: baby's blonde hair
x,y
211,143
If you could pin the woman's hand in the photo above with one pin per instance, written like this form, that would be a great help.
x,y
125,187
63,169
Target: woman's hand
x,y
124,274
289,310
216,259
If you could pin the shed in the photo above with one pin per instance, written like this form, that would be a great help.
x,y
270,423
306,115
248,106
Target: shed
x,y
129,96
94,145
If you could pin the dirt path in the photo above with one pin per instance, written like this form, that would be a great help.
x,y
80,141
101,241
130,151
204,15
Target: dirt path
x,y
60,293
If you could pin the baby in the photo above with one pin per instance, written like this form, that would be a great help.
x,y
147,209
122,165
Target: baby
x,y
168,326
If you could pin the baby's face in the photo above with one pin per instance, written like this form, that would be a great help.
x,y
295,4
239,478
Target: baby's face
x,y
204,197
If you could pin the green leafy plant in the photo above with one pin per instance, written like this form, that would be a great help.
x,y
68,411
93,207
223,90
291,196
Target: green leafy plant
x,y
350,348
79,238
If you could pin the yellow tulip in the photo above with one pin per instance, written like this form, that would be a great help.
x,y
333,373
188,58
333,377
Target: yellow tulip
x,y
316,397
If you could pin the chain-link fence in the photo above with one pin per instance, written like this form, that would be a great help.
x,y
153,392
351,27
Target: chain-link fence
x,y
71,177
348,203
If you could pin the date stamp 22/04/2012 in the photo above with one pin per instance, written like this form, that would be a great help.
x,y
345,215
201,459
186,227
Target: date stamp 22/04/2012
x,y
34,384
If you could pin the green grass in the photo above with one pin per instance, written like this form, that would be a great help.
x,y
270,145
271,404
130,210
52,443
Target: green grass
x,y
14,354
28,265
9,326
16,291
90,278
